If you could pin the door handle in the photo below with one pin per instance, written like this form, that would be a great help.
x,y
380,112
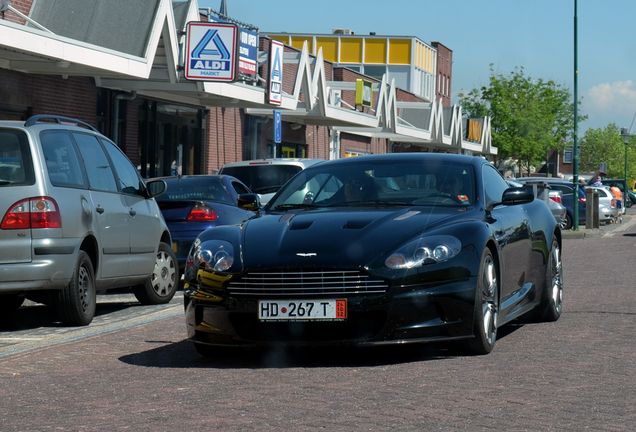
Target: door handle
x,y
99,209
132,212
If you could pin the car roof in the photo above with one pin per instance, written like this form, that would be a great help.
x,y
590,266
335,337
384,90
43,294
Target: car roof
x,y
408,157
303,162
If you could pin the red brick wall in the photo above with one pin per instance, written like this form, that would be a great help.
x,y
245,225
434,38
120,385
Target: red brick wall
x,y
49,94
445,70
225,137
357,143
130,140
24,6
73,97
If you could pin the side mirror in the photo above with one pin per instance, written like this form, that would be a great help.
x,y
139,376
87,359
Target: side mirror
x,y
249,201
514,196
156,188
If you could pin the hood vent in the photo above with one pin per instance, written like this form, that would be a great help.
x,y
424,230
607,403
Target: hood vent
x,y
356,224
300,225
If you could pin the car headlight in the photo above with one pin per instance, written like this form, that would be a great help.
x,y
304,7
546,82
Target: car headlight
x,y
425,250
216,255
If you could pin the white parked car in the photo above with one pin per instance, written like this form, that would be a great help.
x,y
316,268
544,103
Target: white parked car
x,y
265,176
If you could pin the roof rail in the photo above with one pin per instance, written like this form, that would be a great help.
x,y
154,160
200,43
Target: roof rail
x,y
58,119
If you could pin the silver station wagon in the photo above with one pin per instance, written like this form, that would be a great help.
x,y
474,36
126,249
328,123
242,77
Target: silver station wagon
x,y
77,220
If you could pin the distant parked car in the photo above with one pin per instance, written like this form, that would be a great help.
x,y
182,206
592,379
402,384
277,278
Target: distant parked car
x,y
607,206
266,176
620,183
195,203
567,190
554,199
77,219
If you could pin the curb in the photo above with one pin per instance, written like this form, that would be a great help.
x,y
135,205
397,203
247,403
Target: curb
x,y
605,231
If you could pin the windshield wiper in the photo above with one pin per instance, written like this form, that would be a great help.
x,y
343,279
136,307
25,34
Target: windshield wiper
x,y
373,203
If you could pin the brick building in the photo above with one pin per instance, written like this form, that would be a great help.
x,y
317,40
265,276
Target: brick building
x,y
118,66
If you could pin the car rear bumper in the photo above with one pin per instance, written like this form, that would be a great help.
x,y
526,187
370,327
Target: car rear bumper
x,y
51,268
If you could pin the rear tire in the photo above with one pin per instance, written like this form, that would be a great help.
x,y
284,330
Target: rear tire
x,y
75,304
486,307
161,286
566,223
552,296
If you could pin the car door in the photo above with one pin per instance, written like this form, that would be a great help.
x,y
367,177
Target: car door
x,y
110,209
513,234
144,215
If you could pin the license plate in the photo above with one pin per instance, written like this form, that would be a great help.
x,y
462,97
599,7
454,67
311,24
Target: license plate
x,y
302,310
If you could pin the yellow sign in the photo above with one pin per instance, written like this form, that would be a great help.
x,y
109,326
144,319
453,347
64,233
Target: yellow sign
x,y
474,130
364,93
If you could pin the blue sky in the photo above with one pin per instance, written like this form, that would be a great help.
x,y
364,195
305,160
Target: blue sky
x,y
537,35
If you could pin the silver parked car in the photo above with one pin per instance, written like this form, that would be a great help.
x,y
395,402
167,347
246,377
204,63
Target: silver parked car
x,y
608,210
77,219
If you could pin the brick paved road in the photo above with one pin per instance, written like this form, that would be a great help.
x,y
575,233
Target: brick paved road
x,y
576,374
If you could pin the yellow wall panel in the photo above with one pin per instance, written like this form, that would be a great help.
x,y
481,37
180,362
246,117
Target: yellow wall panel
x,y
329,47
350,50
399,51
375,51
298,41
283,39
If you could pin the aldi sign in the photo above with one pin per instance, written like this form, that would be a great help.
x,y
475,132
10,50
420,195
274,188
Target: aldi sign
x,y
212,51
275,76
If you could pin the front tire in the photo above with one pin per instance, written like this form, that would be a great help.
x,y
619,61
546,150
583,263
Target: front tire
x,y
161,286
75,304
486,307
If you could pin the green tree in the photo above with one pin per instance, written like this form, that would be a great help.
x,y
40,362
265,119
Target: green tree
x,y
529,117
606,146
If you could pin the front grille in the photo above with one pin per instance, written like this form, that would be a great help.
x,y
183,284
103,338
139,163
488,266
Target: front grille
x,y
304,283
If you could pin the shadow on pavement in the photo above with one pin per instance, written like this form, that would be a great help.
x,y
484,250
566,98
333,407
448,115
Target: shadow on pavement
x,y
40,315
184,355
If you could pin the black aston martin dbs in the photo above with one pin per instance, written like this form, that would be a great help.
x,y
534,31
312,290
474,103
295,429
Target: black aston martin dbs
x,y
379,249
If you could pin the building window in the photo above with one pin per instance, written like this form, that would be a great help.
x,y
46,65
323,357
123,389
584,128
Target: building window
x,y
568,156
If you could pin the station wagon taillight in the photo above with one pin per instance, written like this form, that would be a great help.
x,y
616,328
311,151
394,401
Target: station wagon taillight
x,y
201,212
40,212
556,199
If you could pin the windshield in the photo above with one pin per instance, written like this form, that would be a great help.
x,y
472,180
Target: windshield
x,y
379,183
196,189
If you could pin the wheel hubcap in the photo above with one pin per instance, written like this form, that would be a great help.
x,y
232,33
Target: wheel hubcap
x,y
163,278
556,271
83,282
489,300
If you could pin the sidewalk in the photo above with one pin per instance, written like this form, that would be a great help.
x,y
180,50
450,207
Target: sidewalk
x,y
604,231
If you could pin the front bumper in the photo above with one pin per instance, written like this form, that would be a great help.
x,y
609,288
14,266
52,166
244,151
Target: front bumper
x,y
414,313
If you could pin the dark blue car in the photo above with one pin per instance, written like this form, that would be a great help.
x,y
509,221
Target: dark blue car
x,y
192,204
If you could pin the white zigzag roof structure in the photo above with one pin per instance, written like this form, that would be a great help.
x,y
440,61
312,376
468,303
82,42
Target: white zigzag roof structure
x,y
31,48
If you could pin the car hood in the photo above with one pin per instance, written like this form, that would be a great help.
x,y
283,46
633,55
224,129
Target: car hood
x,y
334,237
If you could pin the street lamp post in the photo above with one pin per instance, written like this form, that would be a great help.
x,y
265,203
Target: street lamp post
x,y
626,136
